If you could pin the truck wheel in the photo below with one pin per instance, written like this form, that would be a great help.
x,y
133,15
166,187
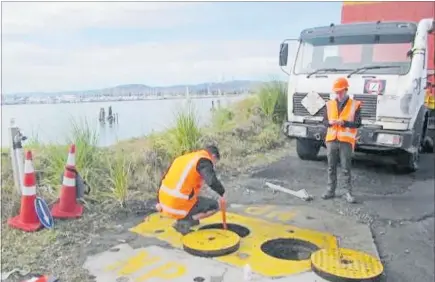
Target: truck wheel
x,y
408,162
427,138
307,149
428,145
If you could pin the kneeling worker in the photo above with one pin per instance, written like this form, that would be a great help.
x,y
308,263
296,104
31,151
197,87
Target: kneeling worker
x,y
178,193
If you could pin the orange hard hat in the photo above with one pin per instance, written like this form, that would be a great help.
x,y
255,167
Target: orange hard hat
x,y
340,84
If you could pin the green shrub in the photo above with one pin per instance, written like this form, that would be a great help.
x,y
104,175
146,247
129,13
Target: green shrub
x,y
273,101
246,108
222,119
119,176
88,156
186,134
269,138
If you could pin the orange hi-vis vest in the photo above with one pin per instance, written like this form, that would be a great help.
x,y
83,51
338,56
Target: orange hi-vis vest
x,y
429,99
181,185
337,132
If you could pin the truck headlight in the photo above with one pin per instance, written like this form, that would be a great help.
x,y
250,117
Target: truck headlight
x,y
389,139
297,130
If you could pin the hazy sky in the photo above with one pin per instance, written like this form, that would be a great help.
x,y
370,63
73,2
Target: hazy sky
x,y
78,45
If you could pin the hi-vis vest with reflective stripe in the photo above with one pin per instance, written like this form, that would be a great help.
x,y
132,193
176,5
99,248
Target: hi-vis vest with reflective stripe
x,y
181,185
340,133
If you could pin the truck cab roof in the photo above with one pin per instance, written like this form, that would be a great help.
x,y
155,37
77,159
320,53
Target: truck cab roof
x,y
364,28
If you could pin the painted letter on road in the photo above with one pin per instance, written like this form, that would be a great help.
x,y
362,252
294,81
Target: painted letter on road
x,y
170,270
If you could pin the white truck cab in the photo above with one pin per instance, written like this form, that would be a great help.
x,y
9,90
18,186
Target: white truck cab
x,y
386,66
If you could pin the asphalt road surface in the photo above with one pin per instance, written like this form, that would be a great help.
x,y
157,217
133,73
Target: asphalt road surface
x,y
398,208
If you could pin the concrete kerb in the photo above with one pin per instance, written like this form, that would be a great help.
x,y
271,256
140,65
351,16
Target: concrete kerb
x,y
153,263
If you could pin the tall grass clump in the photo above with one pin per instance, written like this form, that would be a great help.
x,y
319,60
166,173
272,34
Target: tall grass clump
x,y
273,101
119,176
186,134
88,156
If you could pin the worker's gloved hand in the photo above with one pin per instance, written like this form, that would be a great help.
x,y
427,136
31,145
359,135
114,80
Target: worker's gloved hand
x,y
158,207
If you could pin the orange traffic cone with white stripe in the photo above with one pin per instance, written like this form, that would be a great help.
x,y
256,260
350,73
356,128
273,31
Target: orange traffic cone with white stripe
x,y
27,220
67,207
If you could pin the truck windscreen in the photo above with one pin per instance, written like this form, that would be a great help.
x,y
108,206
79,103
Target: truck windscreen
x,y
353,52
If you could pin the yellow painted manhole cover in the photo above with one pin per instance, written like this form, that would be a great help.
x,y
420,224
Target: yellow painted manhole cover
x,y
345,265
211,242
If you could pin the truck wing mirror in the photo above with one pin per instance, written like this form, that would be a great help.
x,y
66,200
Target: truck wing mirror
x,y
283,54
287,49
410,53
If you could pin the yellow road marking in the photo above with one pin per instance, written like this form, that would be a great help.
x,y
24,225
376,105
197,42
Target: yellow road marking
x,y
170,270
250,246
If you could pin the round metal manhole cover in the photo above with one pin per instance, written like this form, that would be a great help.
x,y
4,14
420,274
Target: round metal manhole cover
x,y
289,249
346,265
211,242
236,228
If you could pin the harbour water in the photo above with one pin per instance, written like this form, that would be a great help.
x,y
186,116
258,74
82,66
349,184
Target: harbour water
x,y
51,123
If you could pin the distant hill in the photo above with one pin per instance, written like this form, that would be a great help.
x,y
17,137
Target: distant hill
x,y
141,89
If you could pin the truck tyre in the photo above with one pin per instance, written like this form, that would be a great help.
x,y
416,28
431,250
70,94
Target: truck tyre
x,y
428,145
307,149
408,162
427,138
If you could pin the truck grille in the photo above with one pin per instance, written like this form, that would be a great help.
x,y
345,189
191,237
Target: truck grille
x,y
368,108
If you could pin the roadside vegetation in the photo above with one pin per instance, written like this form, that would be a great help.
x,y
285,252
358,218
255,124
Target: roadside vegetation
x,y
123,175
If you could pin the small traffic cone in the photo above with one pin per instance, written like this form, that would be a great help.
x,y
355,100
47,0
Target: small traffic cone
x,y
42,278
67,207
27,220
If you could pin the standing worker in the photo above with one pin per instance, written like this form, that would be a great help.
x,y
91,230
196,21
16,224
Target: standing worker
x,y
178,193
342,118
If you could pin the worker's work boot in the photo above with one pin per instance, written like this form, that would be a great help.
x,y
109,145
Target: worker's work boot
x,y
183,225
328,195
349,198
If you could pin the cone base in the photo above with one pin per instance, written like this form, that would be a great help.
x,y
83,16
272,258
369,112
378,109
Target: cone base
x,y
56,212
16,223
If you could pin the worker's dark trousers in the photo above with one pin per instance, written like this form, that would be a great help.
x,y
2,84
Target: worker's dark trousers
x,y
339,151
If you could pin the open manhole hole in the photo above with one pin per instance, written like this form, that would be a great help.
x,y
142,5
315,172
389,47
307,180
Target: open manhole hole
x,y
238,229
289,249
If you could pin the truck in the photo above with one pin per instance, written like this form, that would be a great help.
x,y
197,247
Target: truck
x,y
386,52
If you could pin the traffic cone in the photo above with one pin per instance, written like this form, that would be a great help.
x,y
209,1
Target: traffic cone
x,y
27,220
42,278
67,207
